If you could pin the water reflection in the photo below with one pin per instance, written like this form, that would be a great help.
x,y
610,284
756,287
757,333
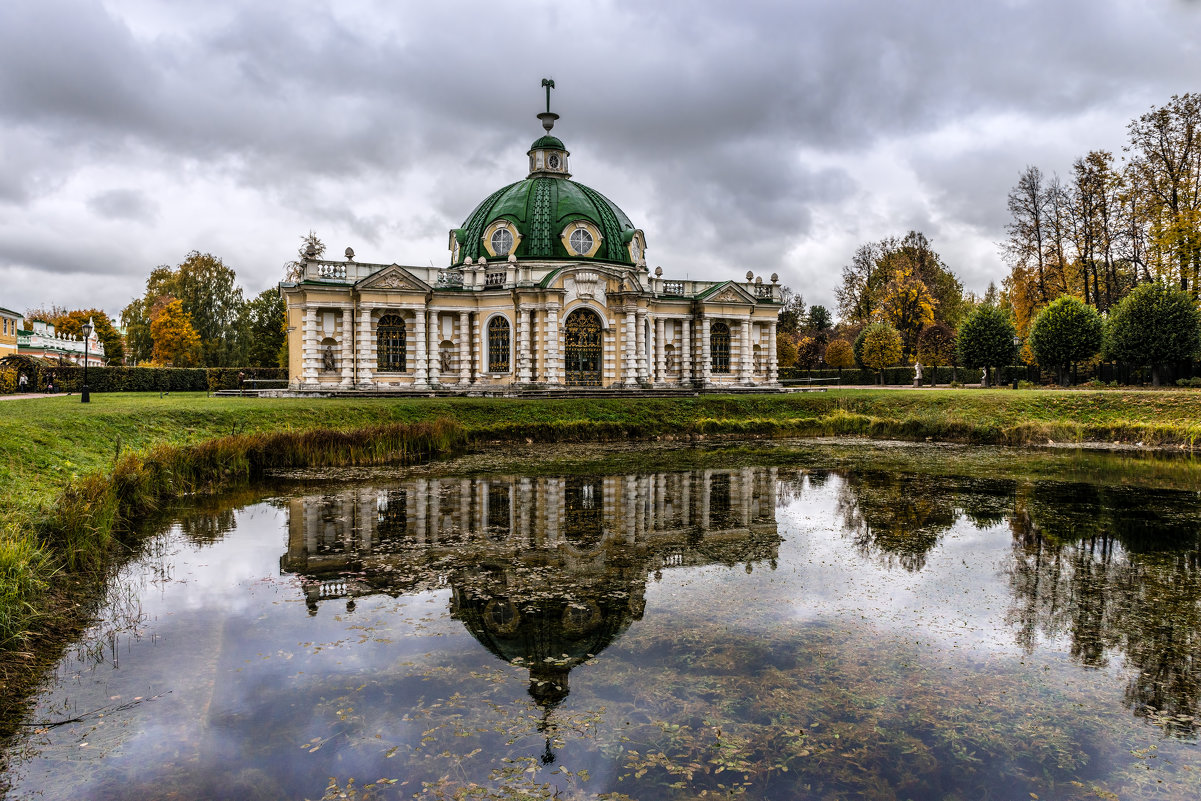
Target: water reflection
x,y
1115,569
545,572
916,636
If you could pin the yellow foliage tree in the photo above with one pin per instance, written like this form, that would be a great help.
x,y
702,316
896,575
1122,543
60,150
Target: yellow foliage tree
x,y
176,343
906,303
840,355
786,351
881,347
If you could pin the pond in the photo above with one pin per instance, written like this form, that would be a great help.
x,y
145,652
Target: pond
x,y
775,620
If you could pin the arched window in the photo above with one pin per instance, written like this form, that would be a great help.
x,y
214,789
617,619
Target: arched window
x,y
498,345
719,347
390,343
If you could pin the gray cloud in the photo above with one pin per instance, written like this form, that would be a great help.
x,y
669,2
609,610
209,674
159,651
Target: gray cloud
x,y
123,204
746,128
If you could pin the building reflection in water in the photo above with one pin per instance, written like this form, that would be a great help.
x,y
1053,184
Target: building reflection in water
x,y
545,572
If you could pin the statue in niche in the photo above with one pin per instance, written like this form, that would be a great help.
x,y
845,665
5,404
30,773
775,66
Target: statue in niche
x,y
669,361
327,359
444,360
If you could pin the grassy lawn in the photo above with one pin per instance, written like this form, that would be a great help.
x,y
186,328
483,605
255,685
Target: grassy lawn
x,y
45,443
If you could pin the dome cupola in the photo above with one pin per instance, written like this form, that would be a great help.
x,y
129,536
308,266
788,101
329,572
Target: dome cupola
x,y
548,216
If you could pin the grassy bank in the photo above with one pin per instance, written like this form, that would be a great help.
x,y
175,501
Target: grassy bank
x,y
72,472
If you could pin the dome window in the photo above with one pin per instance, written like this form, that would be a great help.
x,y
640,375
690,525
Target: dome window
x,y
502,241
552,161
581,241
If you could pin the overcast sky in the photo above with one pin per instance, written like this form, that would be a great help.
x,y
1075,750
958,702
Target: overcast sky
x,y
773,137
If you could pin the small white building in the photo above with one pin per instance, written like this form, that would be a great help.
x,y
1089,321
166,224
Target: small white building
x,y
41,340
547,286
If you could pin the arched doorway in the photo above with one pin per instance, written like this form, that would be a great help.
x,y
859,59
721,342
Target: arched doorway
x,y
582,346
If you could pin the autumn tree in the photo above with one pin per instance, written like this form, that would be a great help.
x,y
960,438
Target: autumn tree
x,y
264,326
875,265
1065,332
208,290
936,347
786,351
809,352
906,303
1154,325
72,322
176,343
985,339
840,355
878,346
1166,147
792,312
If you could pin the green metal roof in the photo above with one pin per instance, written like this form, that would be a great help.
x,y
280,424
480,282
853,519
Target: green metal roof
x,y
540,208
548,141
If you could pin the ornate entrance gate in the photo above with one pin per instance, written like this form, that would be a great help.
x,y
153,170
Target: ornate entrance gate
x,y
582,345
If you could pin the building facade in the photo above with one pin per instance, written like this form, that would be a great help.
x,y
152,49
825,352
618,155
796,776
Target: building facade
x,y
10,325
41,341
547,286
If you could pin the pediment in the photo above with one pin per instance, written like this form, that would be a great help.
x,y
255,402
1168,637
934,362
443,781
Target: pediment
x,y
728,292
394,278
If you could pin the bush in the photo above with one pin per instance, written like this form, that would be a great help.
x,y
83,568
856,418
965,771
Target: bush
x,y
986,338
1154,325
155,379
1189,382
1064,333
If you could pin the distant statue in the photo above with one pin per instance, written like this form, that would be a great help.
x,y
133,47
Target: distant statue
x,y
327,358
917,374
669,361
444,360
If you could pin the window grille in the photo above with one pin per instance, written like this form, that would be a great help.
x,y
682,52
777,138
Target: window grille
x,y
390,343
719,347
498,345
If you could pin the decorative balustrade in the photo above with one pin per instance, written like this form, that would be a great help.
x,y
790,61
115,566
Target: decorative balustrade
x,y
673,287
763,290
450,278
494,279
331,270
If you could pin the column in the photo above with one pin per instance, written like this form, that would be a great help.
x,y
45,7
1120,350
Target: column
x,y
686,351
366,346
773,375
477,349
660,373
629,362
706,359
346,345
464,348
538,333
435,336
523,344
420,376
552,343
309,355
706,486
422,511
746,356
640,343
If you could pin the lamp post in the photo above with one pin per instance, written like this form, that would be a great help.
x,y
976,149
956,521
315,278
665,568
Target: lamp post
x,y
84,396
1017,342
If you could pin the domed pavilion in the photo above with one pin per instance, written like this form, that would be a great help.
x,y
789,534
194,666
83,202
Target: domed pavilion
x,y
547,287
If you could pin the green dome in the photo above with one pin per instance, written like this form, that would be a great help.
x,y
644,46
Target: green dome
x,y
549,142
540,208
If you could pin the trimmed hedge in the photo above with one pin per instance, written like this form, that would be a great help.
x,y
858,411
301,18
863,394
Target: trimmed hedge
x,y
155,379
895,376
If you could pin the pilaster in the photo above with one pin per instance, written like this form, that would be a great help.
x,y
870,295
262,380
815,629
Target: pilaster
x,y
706,359
310,356
421,376
434,336
464,348
640,343
686,351
773,370
366,347
347,346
